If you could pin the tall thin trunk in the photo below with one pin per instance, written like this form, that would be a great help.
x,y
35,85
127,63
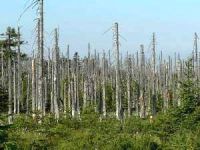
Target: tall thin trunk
x,y
55,76
28,94
10,120
142,84
154,76
72,90
179,68
77,89
45,95
14,88
2,68
104,87
33,87
129,69
117,78
138,85
19,72
40,61
65,98
68,79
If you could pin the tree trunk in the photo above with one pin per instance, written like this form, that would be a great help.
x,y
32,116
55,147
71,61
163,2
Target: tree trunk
x,y
10,118
19,73
33,87
55,76
142,84
104,86
14,89
117,76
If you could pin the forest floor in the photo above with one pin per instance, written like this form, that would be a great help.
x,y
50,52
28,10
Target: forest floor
x,y
173,130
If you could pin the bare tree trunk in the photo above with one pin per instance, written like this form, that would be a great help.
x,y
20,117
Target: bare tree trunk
x,y
154,76
179,77
2,68
73,96
45,96
33,87
10,117
40,63
52,84
65,98
104,86
77,89
85,90
118,94
142,84
129,69
55,76
28,94
137,85
19,73
14,88
69,80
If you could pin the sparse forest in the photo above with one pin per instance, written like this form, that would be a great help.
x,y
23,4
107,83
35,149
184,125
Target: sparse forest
x,y
100,101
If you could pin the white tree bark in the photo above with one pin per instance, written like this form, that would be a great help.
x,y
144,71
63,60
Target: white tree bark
x,y
142,84
10,117
117,76
104,86
55,76
14,88
19,72
33,87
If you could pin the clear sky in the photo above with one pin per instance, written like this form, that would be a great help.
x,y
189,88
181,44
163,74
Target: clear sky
x,y
83,21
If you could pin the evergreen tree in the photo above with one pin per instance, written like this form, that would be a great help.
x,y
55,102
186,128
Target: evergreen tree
x,y
188,89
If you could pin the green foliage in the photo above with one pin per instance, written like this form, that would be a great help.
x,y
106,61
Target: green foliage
x,y
189,91
3,136
10,146
110,103
3,100
167,131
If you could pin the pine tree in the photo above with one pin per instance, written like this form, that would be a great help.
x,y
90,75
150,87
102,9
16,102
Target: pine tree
x,y
188,90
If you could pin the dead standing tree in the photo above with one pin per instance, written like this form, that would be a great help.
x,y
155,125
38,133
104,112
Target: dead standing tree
x,y
10,117
154,75
117,71
129,81
40,58
55,76
142,84
104,85
19,71
75,87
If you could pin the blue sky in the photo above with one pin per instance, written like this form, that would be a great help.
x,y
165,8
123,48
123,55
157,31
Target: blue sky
x,y
83,21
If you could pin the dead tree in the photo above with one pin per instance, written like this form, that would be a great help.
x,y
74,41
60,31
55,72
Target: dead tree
x,y
28,94
69,80
75,87
14,88
40,58
154,75
2,67
117,71
55,76
104,85
179,77
10,117
19,71
45,95
33,86
129,98
142,83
